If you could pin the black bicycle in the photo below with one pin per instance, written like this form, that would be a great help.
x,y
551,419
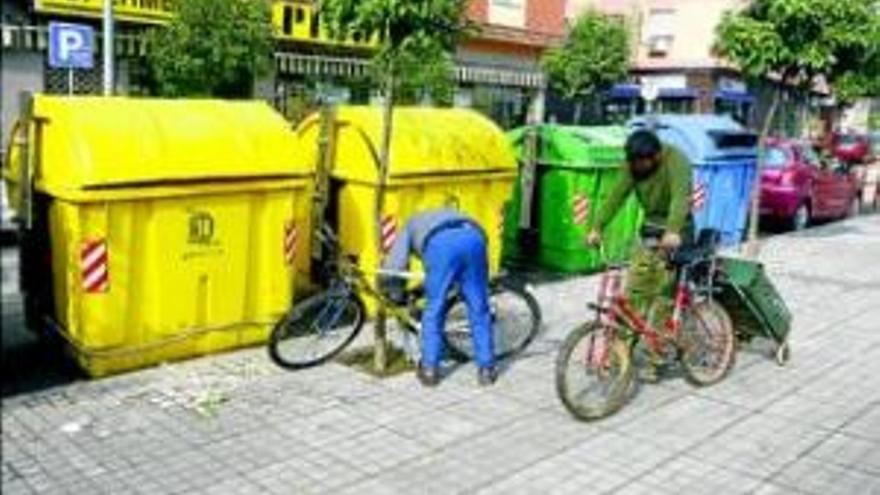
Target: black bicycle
x,y
323,325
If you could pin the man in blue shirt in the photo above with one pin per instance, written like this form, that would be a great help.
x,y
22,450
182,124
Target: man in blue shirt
x,y
452,248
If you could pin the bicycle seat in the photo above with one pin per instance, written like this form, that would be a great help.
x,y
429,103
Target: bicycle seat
x,y
702,250
689,255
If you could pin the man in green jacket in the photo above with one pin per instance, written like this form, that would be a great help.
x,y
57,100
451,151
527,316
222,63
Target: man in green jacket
x,y
660,177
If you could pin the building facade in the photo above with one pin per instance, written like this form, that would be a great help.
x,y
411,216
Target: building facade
x,y
497,71
513,36
673,53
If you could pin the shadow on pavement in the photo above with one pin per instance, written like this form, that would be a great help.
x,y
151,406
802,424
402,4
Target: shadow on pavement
x,y
830,229
29,363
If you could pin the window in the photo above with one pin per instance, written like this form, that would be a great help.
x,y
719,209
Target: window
x,y
287,23
660,31
738,111
848,140
618,111
300,15
676,105
505,105
776,158
810,156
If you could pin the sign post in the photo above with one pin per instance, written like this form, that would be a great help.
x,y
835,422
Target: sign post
x,y
71,46
108,47
650,92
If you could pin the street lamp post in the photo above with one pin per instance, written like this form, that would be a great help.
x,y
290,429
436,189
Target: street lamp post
x,y
108,47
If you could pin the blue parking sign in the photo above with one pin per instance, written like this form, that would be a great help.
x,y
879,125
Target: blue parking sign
x,y
71,46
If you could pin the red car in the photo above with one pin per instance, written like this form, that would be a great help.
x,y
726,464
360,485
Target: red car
x,y
797,187
851,148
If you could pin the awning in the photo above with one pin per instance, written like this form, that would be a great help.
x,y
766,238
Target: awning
x,y
625,92
499,76
679,93
734,96
634,91
320,65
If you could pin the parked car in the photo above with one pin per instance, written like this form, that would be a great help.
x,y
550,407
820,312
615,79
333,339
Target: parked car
x,y
851,147
798,188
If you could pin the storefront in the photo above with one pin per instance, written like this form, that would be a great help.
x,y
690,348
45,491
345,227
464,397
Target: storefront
x,y
499,73
731,97
698,91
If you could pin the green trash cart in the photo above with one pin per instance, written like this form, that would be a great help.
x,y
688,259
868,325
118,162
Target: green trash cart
x,y
754,304
576,169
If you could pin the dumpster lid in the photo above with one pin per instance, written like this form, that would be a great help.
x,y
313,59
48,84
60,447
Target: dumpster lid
x,y
97,142
702,138
425,142
577,146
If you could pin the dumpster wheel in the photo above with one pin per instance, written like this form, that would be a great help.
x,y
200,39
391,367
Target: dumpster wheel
x,y
783,353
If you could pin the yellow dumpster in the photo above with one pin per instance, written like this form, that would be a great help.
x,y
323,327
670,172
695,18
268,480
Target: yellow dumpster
x,y
439,157
175,228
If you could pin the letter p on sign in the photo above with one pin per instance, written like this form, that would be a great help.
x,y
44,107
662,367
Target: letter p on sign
x,y
71,46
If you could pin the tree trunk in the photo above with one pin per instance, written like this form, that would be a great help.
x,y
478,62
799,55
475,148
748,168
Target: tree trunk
x,y
380,341
753,247
578,106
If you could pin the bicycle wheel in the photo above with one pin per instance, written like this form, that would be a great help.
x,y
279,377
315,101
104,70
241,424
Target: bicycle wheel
x,y
516,319
316,330
593,372
708,343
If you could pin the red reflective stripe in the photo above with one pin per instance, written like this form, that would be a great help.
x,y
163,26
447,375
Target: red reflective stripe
x,y
389,232
580,209
698,198
291,236
94,259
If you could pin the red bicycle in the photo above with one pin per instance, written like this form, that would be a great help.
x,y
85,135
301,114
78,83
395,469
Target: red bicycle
x,y
595,368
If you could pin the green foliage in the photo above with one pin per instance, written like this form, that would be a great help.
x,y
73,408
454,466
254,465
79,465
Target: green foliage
x,y
416,40
593,57
212,48
803,40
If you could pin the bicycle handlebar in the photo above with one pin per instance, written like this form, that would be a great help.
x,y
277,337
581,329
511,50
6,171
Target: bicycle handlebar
x,y
404,275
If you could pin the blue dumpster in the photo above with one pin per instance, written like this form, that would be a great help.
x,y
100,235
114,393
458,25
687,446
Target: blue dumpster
x,y
724,156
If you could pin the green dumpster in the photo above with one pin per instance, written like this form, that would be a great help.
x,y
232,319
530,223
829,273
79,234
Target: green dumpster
x,y
576,169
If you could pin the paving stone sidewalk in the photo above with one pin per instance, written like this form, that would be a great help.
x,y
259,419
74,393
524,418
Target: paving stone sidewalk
x,y
236,424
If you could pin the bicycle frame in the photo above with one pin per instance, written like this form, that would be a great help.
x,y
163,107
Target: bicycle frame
x,y
357,282
622,311
616,312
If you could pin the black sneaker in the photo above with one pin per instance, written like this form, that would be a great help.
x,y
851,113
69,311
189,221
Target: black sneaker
x,y
487,376
429,377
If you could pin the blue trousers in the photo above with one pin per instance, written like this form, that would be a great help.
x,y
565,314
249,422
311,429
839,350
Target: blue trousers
x,y
457,256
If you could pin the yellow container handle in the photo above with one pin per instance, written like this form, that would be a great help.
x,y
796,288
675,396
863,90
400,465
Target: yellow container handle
x,y
12,177
7,156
